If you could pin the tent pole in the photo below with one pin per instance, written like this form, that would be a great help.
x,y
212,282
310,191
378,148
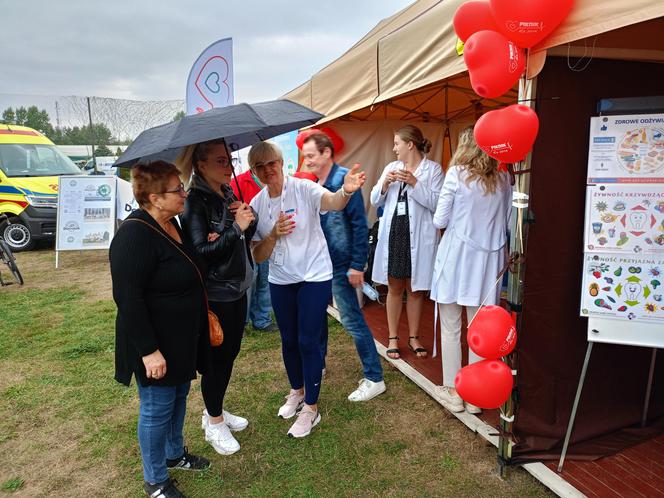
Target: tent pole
x,y
646,404
518,238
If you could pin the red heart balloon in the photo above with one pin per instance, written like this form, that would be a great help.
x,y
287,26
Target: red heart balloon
x,y
528,22
306,175
472,17
303,135
507,134
492,333
337,141
487,383
494,63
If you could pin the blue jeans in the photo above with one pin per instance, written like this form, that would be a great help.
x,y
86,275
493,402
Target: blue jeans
x,y
160,422
260,304
353,321
299,309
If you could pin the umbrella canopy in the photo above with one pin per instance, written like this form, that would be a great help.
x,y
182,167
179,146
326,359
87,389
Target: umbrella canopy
x,y
239,125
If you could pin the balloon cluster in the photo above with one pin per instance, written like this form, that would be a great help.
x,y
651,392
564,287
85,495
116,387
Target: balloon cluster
x,y
492,335
495,34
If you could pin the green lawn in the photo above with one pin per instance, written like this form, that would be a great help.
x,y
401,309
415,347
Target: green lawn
x,y
68,429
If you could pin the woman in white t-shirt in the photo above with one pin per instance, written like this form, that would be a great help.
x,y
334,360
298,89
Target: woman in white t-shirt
x,y
290,235
473,207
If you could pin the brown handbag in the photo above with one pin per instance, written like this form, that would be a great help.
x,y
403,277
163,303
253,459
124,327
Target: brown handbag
x,y
214,327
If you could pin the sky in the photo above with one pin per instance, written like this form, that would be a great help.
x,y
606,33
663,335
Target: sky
x,y
143,49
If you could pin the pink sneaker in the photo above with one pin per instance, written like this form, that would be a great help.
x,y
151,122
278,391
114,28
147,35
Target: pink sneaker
x,y
294,402
306,420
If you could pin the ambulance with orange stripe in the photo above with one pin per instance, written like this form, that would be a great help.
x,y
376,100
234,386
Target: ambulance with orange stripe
x,y
30,165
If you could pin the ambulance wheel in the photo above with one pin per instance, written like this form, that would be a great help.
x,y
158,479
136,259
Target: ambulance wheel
x,y
17,235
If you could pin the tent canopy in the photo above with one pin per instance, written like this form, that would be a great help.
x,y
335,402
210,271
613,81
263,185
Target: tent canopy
x,y
407,59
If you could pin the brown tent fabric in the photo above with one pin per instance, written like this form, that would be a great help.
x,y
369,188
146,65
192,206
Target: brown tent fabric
x,y
552,344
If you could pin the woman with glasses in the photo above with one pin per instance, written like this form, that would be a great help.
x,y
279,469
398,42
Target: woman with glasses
x,y
161,314
221,228
289,234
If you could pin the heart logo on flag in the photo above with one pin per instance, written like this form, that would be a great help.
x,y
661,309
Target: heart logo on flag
x,y
507,134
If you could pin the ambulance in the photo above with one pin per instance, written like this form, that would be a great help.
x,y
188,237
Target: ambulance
x,y
30,165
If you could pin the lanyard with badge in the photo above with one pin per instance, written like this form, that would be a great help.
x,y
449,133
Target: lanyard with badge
x,y
279,252
401,200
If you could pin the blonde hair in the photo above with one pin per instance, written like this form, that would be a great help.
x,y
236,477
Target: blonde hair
x,y
479,167
187,161
263,152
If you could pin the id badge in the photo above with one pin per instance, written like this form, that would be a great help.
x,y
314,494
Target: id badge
x,y
278,256
401,208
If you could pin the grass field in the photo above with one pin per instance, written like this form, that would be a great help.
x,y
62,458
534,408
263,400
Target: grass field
x,y
68,429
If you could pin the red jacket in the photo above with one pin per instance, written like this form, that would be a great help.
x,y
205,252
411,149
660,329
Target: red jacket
x,y
248,185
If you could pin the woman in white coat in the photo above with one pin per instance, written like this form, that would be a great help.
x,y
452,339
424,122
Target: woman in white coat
x,y
473,207
408,191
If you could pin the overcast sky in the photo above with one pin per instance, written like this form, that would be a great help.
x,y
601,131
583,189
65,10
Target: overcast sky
x,y
143,49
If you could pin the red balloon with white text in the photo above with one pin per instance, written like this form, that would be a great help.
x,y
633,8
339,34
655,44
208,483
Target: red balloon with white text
x,y
507,134
487,383
494,63
492,333
528,22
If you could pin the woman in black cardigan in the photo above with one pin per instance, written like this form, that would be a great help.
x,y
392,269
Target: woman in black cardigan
x,y
221,228
161,314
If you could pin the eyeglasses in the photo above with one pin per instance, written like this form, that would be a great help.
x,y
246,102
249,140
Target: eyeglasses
x,y
180,190
271,164
224,162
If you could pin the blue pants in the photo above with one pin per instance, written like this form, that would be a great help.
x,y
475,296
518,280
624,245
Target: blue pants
x,y
300,309
160,422
259,297
352,319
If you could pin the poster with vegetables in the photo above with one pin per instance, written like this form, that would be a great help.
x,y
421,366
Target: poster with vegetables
x,y
627,287
626,149
626,219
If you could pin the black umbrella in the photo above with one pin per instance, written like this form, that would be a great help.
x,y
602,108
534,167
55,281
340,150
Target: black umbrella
x,y
240,125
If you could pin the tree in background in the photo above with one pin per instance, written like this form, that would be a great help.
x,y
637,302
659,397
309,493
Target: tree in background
x,y
102,150
118,152
32,117
178,116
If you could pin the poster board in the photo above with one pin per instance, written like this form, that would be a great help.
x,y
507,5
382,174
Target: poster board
x,y
622,294
86,212
626,149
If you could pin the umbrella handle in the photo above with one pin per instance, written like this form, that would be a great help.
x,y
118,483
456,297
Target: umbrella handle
x,y
237,184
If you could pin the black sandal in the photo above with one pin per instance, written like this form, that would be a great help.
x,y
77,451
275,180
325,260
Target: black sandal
x,y
393,350
417,351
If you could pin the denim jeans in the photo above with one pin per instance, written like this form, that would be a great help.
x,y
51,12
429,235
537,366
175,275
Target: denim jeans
x,y
160,422
260,304
353,321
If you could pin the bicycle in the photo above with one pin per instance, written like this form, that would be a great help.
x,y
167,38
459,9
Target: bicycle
x,y
8,258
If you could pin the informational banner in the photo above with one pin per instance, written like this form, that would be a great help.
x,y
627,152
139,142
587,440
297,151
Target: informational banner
x,y
86,212
626,219
626,149
286,143
210,82
627,287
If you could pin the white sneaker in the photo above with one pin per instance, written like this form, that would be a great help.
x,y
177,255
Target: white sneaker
x,y
234,422
221,439
306,420
452,402
367,390
470,408
293,404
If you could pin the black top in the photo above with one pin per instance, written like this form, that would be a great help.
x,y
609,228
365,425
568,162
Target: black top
x,y
229,261
160,302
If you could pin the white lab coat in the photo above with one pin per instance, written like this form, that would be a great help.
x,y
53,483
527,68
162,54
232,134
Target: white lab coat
x,y
424,237
472,250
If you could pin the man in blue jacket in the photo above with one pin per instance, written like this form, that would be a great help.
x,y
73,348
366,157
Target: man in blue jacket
x,y
347,240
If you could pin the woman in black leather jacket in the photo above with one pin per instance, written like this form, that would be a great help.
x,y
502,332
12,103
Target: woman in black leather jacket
x,y
221,229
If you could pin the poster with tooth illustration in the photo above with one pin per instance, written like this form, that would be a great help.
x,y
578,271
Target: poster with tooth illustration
x,y
627,287
625,219
626,149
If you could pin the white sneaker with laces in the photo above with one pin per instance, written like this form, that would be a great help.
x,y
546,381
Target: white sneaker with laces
x,y
451,401
367,390
221,439
293,404
306,420
472,409
234,422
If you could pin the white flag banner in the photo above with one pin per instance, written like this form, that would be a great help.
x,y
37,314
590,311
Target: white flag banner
x,y
210,82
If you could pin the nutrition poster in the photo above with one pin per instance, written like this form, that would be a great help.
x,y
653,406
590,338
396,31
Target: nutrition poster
x,y
627,219
626,287
626,149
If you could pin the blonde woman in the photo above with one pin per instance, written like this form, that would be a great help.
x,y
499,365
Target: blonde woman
x,y
473,207
408,191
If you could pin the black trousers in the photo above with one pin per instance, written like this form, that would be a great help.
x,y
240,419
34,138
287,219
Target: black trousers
x,y
214,382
